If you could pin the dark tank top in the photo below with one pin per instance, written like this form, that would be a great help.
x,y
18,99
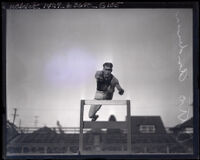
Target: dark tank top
x,y
103,85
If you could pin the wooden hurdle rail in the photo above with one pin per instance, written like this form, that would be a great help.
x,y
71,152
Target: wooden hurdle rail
x,y
105,124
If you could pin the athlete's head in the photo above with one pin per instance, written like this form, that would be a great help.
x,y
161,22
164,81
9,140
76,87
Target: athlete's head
x,y
107,68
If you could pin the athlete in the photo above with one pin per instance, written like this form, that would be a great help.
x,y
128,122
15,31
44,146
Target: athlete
x,y
106,83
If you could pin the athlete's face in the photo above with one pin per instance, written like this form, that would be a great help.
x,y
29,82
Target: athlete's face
x,y
107,71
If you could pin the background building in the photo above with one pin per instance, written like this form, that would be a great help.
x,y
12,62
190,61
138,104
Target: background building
x,y
147,132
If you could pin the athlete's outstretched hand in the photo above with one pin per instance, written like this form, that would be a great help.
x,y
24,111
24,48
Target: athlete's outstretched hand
x,y
121,92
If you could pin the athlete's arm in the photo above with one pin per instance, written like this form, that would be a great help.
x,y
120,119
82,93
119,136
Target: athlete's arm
x,y
117,85
99,75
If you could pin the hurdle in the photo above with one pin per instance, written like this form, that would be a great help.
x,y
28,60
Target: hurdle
x,y
105,124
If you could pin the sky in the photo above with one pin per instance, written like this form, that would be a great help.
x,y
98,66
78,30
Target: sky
x,y
52,56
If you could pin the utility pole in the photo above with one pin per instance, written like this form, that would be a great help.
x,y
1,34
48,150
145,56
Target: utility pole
x,y
20,123
20,126
15,115
36,121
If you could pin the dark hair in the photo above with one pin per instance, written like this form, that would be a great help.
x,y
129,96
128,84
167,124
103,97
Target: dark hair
x,y
112,118
108,64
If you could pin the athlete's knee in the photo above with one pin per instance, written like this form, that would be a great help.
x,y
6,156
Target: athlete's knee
x,y
91,115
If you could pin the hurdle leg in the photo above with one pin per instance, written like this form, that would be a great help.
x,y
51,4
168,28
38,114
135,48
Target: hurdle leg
x,y
81,127
128,127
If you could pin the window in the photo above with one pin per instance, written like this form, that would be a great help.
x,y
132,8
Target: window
x,y
147,129
188,130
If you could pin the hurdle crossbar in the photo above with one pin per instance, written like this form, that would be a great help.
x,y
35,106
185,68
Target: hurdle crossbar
x,y
105,102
